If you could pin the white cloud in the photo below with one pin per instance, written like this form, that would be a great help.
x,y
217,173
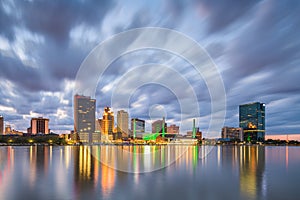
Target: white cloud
x,y
7,109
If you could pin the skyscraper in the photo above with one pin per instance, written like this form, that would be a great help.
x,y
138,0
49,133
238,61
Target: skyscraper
x,y
39,125
107,122
84,117
1,124
252,120
122,122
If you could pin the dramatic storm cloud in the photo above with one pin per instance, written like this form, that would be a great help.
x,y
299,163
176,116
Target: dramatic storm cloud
x,y
254,44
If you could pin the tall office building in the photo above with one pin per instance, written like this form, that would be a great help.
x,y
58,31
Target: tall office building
x,y
122,122
84,117
1,125
39,125
159,126
252,120
107,122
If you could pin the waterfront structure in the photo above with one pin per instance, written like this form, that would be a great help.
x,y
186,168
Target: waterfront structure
x,y
283,136
84,118
39,125
159,126
122,123
252,120
196,134
1,125
232,133
10,131
173,129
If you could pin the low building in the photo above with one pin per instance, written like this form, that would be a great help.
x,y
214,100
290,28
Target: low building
x,y
137,128
173,129
198,134
232,133
39,125
159,126
10,131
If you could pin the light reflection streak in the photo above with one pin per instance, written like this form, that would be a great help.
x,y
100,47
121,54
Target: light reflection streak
x,y
32,171
252,170
286,157
219,155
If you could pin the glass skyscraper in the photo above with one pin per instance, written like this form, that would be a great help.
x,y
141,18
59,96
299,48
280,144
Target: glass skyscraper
x,y
252,120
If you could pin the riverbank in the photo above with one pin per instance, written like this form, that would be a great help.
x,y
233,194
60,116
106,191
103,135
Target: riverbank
x,y
53,139
16,140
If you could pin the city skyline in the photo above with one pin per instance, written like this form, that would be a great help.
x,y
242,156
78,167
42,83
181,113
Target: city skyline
x,y
255,50
86,105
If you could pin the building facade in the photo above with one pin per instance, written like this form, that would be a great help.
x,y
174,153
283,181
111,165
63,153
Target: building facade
x,y
232,133
173,129
139,125
39,125
159,126
8,129
122,123
107,123
252,120
1,125
84,117
198,133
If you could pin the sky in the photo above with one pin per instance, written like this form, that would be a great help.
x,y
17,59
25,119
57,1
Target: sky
x,y
255,46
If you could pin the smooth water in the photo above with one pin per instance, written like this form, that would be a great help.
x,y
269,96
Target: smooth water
x,y
204,172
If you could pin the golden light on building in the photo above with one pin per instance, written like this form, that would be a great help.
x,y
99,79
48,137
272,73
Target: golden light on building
x,y
250,125
107,122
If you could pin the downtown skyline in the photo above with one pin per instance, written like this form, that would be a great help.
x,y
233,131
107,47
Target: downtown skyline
x,y
256,50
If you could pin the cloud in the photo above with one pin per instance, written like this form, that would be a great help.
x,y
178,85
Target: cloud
x,y
255,45
220,14
55,18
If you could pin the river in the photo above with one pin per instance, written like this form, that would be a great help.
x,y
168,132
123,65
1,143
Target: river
x,y
149,172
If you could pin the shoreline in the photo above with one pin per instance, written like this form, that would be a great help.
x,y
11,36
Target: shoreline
x,y
108,144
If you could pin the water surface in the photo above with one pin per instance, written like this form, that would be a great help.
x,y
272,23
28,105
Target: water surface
x,y
91,172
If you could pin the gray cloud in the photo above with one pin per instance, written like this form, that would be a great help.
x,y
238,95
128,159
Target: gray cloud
x,y
255,45
221,14
55,18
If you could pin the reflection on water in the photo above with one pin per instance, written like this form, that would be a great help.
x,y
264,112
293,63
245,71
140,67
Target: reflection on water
x,y
252,166
227,172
